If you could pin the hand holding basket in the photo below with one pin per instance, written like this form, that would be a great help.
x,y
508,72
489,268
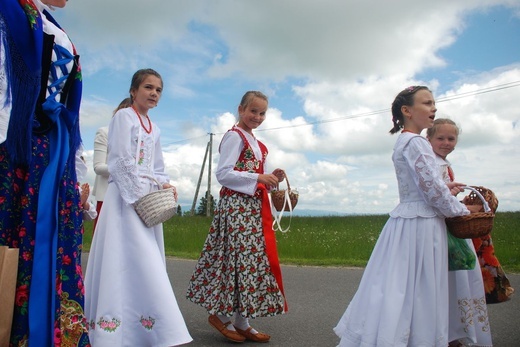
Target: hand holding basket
x,y
475,224
156,207
284,199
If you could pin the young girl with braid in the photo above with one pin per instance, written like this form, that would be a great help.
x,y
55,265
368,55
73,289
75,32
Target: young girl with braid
x,y
238,274
402,299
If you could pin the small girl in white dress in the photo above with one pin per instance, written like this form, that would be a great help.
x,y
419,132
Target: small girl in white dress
x,y
469,323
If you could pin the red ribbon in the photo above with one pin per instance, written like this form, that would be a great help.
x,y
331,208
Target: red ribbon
x,y
270,240
451,174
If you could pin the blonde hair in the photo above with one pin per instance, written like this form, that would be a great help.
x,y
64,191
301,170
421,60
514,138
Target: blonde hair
x,y
250,95
430,132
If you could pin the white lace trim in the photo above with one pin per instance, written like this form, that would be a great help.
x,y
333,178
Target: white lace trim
x,y
422,191
127,181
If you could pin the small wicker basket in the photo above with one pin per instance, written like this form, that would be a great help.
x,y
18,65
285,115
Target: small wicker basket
x,y
475,224
156,207
284,200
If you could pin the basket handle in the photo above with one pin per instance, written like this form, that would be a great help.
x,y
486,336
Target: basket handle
x,y
277,216
286,180
484,202
154,180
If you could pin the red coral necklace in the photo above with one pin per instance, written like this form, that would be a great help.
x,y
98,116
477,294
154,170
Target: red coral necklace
x,y
141,121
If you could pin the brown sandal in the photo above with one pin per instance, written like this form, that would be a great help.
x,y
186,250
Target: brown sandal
x,y
222,328
258,337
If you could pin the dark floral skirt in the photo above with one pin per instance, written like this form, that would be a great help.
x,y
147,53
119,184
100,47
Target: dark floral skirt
x,y
19,194
233,273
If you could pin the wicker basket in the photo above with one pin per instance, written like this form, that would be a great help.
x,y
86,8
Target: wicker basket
x,y
156,207
475,224
284,200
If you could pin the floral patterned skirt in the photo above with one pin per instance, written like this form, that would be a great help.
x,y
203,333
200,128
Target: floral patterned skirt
x,y
19,191
233,273
496,284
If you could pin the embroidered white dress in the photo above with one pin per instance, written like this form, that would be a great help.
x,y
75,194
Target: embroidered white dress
x,y
129,298
402,299
469,321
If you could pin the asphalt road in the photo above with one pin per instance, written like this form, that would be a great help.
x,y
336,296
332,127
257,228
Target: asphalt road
x,y
317,298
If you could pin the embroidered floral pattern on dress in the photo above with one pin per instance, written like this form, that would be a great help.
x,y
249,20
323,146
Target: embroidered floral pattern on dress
x,y
250,163
109,325
126,174
140,161
473,312
147,323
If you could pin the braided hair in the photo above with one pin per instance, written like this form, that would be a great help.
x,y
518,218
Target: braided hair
x,y
404,98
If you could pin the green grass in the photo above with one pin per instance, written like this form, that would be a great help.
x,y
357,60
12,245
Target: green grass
x,y
326,241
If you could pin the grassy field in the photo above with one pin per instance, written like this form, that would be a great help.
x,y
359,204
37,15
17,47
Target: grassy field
x,y
327,241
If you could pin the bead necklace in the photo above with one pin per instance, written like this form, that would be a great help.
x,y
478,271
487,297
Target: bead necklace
x,y
141,121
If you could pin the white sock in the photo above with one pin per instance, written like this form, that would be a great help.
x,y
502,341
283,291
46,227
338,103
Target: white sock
x,y
242,323
225,319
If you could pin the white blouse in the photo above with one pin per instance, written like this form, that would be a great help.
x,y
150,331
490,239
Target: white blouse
x,y
134,156
422,191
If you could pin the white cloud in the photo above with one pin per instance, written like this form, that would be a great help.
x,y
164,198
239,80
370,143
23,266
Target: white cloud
x,y
343,60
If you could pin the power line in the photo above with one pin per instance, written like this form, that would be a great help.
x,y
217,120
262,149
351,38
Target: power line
x,y
373,113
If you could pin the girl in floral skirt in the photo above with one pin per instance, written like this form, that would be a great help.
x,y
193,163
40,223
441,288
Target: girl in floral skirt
x,y
238,274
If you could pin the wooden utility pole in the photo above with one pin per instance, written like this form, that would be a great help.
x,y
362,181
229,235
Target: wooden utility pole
x,y
208,193
200,179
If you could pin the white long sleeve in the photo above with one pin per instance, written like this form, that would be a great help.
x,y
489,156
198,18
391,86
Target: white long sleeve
x,y
230,148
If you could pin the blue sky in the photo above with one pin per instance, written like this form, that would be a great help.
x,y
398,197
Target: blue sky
x,y
326,67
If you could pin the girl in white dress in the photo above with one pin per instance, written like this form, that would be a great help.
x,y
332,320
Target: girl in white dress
x,y
468,323
402,299
129,298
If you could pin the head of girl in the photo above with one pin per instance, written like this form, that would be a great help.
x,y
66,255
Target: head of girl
x,y
413,110
252,110
443,136
145,90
